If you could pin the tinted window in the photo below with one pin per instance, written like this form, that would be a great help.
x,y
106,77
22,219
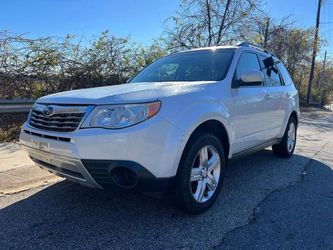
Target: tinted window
x,y
284,73
272,76
247,61
206,65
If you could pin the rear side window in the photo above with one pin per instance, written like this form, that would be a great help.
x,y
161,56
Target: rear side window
x,y
247,62
272,76
285,75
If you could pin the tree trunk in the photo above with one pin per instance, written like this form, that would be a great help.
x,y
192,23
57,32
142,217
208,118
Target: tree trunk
x,y
219,34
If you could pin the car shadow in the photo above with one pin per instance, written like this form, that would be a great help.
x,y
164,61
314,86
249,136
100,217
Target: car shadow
x,y
66,215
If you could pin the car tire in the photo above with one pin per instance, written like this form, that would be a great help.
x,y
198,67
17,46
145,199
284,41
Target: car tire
x,y
288,142
200,174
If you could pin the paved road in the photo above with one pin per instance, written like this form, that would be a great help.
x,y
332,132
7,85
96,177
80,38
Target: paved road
x,y
267,203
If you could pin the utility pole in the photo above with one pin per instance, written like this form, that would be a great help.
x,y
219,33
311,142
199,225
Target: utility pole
x,y
314,54
266,32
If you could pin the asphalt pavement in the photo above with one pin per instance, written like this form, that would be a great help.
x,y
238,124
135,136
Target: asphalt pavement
x,y
267,203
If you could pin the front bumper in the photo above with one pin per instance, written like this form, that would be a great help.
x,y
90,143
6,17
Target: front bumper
x,y
63,166
101,174
144,157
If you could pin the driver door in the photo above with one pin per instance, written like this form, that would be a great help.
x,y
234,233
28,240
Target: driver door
x,y
250,117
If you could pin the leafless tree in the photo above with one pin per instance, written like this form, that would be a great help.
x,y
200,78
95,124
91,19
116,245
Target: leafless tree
x,y
201,23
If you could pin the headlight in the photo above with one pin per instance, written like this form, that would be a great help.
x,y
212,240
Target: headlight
x,y
120,116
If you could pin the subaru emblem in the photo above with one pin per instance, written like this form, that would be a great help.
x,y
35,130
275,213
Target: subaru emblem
x,y
48,111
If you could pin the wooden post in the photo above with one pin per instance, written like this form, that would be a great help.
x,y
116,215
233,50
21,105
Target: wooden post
x,y
314,54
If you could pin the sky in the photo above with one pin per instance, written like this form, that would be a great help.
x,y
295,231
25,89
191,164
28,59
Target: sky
x,y
141,19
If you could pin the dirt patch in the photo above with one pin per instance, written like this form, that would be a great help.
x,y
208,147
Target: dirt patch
x,y
10,126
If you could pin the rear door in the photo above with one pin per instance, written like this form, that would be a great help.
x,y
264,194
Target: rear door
x,y
276,98
288,95
250,113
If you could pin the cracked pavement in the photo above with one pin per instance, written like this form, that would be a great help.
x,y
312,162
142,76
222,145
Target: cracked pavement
x,y
267,202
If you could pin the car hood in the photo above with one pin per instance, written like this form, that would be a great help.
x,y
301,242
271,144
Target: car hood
x,y
124,93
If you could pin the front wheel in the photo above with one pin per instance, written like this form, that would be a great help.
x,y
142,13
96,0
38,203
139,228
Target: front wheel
x,y
200,174
288,142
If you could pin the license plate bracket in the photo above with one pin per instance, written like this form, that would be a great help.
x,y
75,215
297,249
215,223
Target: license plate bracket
x,y
44,146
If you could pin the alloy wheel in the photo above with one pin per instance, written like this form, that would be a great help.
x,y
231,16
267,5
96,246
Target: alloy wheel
x,y
291,137
205,173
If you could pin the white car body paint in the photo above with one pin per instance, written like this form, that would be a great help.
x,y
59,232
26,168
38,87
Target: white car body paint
x,y
251,116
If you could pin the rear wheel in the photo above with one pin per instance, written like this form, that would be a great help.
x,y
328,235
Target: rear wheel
x,y
287,145
200,175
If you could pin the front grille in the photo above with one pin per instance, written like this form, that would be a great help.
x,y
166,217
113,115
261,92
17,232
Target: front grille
x,y
63,119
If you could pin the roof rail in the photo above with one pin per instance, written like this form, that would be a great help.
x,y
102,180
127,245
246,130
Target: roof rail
x,y
251,45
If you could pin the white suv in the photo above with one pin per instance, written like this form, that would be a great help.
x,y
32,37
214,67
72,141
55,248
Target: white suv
x,y
172,127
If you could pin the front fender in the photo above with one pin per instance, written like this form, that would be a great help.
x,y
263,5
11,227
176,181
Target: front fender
x,y
189,118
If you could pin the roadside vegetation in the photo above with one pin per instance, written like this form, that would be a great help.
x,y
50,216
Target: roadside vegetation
x,y
10,126
33,67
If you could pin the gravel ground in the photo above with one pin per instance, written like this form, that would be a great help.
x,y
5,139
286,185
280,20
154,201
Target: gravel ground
x,y
267,202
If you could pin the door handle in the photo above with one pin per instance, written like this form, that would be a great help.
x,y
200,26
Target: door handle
x,y
288,95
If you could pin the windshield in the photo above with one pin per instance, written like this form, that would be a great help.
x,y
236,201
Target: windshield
x,y
203,65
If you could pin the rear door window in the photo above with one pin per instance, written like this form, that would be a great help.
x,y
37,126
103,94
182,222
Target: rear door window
x,y
284,73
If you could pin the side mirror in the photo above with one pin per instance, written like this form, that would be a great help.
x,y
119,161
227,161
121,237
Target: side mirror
x,y
251,78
